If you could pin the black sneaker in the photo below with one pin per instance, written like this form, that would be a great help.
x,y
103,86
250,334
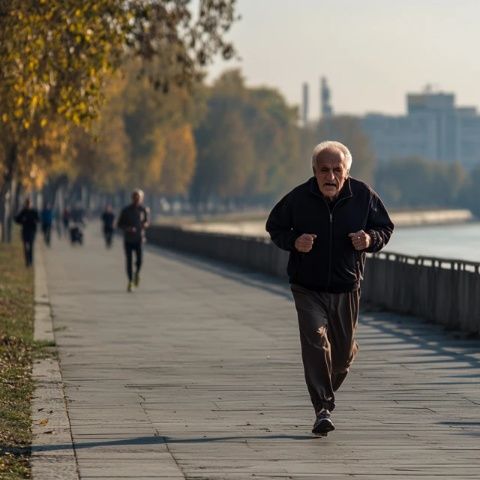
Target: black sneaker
x,y
323,424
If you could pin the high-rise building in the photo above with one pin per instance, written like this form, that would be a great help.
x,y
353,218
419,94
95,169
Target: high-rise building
x,y
305,103
433,128
325,94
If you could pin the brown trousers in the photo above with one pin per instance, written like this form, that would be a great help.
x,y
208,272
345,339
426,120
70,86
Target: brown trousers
x,y
327,323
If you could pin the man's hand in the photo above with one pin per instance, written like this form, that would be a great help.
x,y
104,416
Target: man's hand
x,y
360,240
131,229
304,242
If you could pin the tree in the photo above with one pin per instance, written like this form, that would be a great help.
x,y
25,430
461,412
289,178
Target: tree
x,y
179,163
278,164
247,143
416,182
57,54
153,123
142,138
225,156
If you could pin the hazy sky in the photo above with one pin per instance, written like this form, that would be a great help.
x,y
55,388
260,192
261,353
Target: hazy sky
x,y
371,51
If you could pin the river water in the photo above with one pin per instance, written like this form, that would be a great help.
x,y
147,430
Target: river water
x,y
458,241
461,241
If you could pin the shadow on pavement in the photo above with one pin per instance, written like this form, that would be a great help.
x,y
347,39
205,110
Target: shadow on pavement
x,y
152,440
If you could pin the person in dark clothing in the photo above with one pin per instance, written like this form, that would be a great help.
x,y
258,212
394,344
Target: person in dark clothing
x,y
133,220
28,218
47,220
77,224
108,220
66,220
328,224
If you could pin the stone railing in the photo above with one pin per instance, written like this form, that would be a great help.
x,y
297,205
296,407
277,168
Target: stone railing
x,y
441,290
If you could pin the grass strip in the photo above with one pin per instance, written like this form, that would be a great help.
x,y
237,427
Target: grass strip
x,y
16,353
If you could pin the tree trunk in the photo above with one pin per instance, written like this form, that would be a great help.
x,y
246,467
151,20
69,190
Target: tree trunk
x,y
6,191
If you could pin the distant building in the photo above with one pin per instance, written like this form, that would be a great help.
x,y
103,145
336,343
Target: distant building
x,y
305,103
434,128
325,105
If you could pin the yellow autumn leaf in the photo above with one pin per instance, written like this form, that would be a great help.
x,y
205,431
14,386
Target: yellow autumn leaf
x,y
43,122
5,118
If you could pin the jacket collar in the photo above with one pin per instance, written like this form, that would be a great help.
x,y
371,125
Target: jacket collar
x,y
345,192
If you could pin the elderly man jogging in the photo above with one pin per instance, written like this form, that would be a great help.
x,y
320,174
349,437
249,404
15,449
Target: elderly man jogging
x,y
327,224
133,220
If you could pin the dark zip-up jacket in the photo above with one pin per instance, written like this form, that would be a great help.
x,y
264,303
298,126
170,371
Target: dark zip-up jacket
x,y
28,219
333,265
133,216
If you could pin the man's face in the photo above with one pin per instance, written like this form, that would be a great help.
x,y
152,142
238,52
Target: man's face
x,y
135,198
330,172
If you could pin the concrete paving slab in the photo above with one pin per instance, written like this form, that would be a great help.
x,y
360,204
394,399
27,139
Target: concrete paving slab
x,y
53,456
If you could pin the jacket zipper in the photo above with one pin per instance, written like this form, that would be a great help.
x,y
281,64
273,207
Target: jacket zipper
x,y
330,244
330,247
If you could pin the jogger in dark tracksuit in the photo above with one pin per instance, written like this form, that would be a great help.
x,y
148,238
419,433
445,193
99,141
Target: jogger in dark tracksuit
x,y
327,224
108,220
133,220
28,218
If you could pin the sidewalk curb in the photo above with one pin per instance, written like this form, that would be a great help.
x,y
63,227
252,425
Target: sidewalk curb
x,y
53,455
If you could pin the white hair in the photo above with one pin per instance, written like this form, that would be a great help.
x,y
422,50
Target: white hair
x,y
139,192
332,145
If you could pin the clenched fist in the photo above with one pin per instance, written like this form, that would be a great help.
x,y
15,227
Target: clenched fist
x,y
304,242
360,240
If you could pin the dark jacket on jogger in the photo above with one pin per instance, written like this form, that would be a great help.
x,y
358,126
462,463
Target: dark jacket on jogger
x,y
333,265
133,217
325,281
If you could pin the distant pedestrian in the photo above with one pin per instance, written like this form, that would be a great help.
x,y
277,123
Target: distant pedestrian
x,y
327,224
108,221
133,220
77,224
66,220
47,221
28,218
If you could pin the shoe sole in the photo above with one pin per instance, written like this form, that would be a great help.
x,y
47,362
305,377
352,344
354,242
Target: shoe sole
x,y
323,428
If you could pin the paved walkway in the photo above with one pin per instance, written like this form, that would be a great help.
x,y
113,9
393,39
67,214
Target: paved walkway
x,y
198,375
